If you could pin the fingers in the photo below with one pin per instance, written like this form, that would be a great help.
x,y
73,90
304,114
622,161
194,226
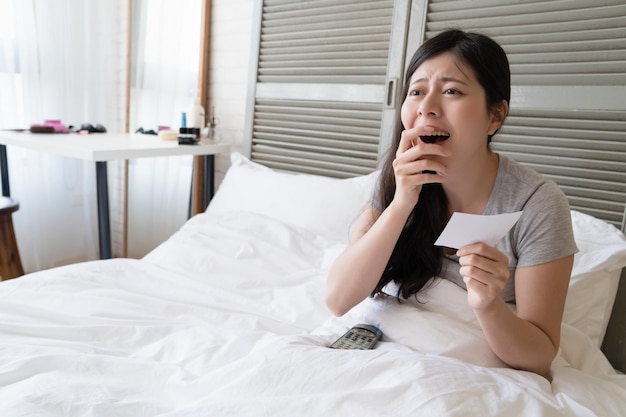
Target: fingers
x,y
410,146
416,163
485,271
484,263
411,175
406,143
483,250
427,170
414,157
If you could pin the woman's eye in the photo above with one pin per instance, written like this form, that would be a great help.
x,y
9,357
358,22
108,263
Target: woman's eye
x,y
415,93
451,91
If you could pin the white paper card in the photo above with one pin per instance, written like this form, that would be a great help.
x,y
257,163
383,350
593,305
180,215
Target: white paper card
x,y
463,229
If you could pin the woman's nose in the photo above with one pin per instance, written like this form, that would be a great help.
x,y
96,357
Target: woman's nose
x,y
429,106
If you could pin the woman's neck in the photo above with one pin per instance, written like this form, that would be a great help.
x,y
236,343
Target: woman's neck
x,y
470,192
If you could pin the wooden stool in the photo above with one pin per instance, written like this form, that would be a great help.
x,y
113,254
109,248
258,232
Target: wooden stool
x,y
10,262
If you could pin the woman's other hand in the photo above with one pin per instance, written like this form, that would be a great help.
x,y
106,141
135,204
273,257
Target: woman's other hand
x,y
485,271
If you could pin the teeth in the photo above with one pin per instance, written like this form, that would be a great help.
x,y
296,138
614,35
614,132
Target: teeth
x,y
439,133
435,137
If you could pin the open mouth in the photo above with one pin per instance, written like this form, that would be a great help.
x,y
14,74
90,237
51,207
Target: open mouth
x,y
435,137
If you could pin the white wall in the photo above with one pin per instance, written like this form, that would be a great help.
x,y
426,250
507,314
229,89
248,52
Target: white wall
x,y
230,50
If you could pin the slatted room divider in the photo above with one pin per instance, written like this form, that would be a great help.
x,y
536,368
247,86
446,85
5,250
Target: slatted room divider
x,y
322,83
568,72
328,71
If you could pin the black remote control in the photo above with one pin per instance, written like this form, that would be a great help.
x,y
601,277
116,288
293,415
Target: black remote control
x,y
361,336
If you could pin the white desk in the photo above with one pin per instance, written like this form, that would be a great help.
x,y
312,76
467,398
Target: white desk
x,y
103,147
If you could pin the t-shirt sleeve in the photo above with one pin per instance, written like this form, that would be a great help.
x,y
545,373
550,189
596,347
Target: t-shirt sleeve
x,y
544,232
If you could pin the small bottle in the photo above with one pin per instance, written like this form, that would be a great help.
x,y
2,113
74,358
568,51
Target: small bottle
x,y
196,114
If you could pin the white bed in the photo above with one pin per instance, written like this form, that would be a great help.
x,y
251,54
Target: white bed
x,y
226,318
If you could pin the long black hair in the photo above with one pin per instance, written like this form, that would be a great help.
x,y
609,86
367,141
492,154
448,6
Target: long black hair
x,y
415,259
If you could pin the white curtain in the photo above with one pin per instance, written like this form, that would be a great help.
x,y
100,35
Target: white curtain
x,y
66,59
59,59
164,83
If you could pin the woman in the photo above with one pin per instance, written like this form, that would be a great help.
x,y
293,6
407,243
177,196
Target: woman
x,y
456,97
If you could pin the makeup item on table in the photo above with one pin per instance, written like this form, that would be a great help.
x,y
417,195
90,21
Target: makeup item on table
x,y
188,135
167,134
49,126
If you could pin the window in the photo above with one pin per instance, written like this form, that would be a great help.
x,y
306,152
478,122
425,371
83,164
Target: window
x,y
10,77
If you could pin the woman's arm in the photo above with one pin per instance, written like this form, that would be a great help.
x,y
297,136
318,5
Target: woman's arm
x,y
528,339
356,272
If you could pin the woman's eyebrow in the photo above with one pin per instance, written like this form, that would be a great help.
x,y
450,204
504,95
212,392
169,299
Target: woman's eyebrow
x,y
444,79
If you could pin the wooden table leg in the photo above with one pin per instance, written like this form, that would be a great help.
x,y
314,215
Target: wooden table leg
x,y
197,186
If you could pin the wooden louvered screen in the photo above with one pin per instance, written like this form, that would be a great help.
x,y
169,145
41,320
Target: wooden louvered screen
x,y
325,41
575,42
325,138
584,153
568,61
321,85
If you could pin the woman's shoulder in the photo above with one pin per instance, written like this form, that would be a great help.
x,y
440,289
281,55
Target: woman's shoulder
x,y
517,184
522,178
514,171
545,218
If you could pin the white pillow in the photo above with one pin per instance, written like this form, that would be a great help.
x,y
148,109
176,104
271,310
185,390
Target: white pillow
x,y
326,206
595,275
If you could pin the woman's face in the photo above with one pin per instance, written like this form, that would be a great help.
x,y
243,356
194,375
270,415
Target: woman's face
x,y
445,97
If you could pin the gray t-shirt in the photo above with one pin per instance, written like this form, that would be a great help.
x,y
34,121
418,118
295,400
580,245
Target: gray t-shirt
x,y
542,234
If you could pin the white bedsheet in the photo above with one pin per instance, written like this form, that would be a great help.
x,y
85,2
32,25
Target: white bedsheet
x,y
227,318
